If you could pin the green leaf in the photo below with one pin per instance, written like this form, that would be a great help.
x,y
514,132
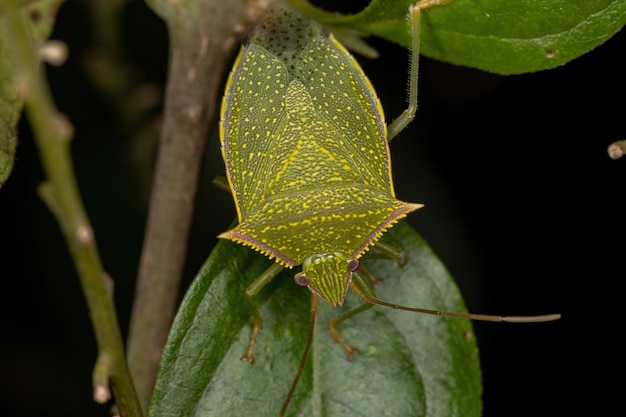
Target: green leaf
x,y
408,364
10,104
41,17
9,114
506,37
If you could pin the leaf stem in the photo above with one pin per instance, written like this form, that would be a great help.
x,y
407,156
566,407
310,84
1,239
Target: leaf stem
x,y
52,132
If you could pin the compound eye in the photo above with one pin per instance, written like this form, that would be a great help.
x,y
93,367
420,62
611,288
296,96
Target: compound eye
x,y
353,265
301,280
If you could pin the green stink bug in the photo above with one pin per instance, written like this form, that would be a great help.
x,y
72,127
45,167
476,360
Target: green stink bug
x,y
305,146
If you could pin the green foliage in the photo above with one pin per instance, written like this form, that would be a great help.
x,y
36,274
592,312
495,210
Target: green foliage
x,y
405,366
505,37
40,14
406,362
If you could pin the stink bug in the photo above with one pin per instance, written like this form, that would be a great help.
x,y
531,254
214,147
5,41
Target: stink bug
x,y
305,146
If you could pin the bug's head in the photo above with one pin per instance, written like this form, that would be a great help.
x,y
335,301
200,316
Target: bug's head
x,y
328,275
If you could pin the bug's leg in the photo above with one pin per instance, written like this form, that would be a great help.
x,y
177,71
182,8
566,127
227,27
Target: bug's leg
x,y
382,251
363,282
305,354
407,115
221,182
252,290
371,277
360,285
386,251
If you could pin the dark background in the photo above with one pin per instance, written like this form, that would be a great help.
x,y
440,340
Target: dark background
x,y
522,204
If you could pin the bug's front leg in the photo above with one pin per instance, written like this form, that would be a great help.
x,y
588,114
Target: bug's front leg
x,y
363,283
252,290
360,285
383,251
332,328
391,252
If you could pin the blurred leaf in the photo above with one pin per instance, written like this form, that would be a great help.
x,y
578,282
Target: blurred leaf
x,y
506,37
408,364
9,113
10,104
41,16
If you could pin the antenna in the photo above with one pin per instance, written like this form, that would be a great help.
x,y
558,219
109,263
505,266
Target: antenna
x,y
305,355
471,316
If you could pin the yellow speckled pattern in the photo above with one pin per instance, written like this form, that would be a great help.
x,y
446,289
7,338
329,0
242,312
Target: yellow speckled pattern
x,y
304,141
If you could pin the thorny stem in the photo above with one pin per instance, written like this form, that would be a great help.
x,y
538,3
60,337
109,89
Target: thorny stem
x,y
52,134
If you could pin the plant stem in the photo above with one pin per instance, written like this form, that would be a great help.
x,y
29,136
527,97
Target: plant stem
x,y
52,135
202,34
